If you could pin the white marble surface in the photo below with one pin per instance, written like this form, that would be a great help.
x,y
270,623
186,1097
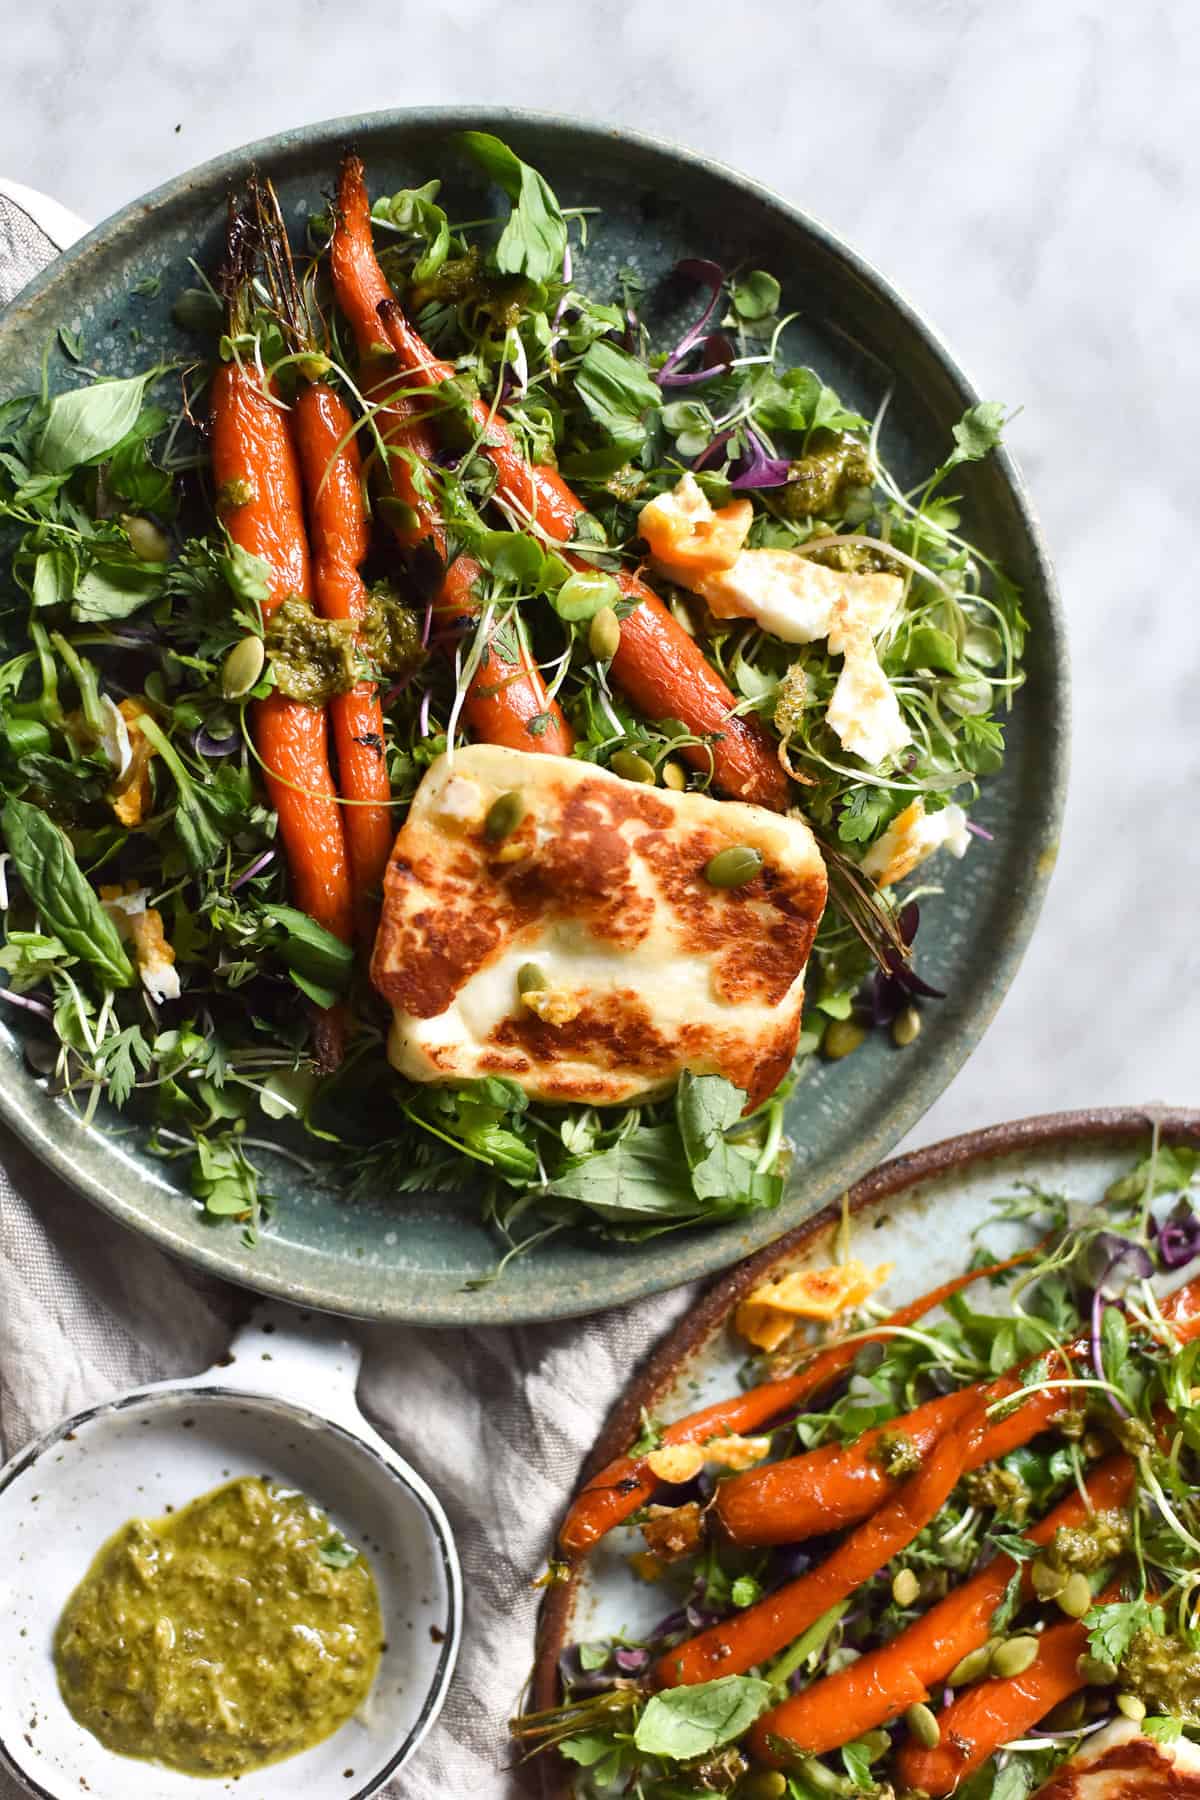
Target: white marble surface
x,y
1026,172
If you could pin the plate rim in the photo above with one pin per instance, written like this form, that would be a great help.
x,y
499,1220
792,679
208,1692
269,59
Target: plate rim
x,y
331,1286
703,1321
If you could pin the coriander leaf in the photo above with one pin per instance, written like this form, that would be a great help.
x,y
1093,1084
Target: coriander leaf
x,y
977,433
1173,1169
864,813
617,392
248,576
119,1060
87,422
1111,1629
65,900
223,1178
586,1749
684,1722
336,1553
593,1656
535,237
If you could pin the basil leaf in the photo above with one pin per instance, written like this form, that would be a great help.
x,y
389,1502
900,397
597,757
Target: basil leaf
x,y
87,422
639,1179
705,1107
617,392
313,954
65,900
690,1721
977,433
535,237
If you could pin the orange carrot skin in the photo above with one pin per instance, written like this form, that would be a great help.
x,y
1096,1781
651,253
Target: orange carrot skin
x,y
251,443
835,1485
506,702
987,1715
627,1483
752,1636
332,472
841,1707
662,669
504,699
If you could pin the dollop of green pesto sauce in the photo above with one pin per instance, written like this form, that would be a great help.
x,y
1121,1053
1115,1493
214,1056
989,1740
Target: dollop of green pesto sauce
x,y
232,1633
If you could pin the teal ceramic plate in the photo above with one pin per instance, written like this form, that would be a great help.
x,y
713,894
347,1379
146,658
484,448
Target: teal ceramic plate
x,y
917,1212
411,1259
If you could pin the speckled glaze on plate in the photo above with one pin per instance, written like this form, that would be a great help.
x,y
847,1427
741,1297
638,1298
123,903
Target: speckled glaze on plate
x,y
916,1211
411,1258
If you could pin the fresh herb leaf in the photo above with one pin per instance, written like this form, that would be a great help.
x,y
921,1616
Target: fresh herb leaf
x,y
86,423
684,1722
593,1656
65,900
618,393
745,1591
1112,1628
336,1553
311,952
756,295
535,237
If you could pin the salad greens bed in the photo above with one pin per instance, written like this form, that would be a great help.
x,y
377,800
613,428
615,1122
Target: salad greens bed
x,y
123,597
1097,1272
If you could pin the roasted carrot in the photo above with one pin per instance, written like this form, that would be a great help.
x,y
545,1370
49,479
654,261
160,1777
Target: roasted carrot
x,y
878,1687
506,702
337,524
830,1487
987,1715
627,1483
752,1636
257,477
835,1485
664,672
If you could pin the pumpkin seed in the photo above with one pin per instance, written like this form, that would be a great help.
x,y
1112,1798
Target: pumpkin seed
x,y
530,979
767,1784
503,816
674,775
842,1038
146,541
1014,1657
604,634
734,867
1132,1707
1068,1715
816,1775
906,1027
242,667
1097,1671
923,1725
1047,1580
631,767
874,1744
905,1587
972,1667
1076,1597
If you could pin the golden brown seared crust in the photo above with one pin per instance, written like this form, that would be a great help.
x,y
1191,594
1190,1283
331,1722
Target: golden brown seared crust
x,y
1125,1765
599,866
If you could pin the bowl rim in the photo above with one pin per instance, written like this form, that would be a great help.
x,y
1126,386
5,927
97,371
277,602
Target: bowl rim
x,y
189,1389
331,1285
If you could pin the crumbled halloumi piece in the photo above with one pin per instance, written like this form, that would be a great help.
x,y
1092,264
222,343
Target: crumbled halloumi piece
x,y
766,1315
677,1463
130,800
650,969
142,926
687,538
911,837
799,601
1122,1763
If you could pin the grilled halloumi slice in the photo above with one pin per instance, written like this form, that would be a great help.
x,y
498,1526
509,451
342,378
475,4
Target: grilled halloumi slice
x,y
583,953
1122,1763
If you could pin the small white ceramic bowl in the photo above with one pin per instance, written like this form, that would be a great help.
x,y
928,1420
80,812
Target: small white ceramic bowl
x,y
283,1407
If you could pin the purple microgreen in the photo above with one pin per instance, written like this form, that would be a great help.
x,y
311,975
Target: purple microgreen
x,y
1177,1238
759,469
